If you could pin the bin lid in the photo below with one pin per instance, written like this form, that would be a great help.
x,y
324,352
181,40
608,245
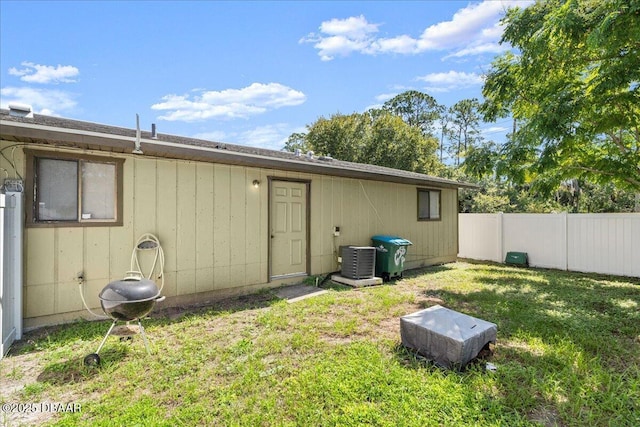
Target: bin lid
x,y
394,240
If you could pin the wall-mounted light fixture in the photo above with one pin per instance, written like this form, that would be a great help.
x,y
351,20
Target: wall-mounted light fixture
x,y
256,183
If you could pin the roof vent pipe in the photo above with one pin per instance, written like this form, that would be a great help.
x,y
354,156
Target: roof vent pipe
x,y
20,110
137,149
310,154
154,134
298,152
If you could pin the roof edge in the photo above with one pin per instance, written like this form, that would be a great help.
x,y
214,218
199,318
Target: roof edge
x,y
103,141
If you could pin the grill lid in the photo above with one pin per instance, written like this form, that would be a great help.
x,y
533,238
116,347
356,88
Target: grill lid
x,y
130,289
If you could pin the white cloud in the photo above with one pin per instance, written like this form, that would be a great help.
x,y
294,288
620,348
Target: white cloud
x,y
494,129
401,44
43,74
472,30
355,27
342,36
43,101
465,26
478,49
383,97
272,137
229,103
451,80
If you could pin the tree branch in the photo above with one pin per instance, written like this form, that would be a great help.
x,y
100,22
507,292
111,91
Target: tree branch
x,y
630,180
618,141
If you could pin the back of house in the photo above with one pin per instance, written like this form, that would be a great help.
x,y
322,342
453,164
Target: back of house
x,y
231,219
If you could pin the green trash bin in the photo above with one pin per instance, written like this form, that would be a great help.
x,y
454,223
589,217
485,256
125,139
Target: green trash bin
x,y
391,253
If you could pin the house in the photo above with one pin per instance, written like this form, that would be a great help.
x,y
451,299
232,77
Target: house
x,y
231,219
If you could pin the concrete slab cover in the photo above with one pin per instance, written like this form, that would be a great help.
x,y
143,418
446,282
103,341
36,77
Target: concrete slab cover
x,y
447,337
356,283
298,292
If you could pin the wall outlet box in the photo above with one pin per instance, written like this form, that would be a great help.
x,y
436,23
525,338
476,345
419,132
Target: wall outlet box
x,y
336,231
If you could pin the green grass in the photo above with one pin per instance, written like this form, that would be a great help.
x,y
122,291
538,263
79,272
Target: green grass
x,y
568,353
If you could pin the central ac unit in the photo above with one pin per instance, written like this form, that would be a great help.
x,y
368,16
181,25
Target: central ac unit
x,y
358,262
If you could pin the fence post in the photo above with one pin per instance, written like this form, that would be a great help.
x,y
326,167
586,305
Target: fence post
x,y
565,236
500,231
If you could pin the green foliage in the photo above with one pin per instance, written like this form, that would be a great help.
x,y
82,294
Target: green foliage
x,y
574,86
296,141
416,108
462,127
489,166
376,137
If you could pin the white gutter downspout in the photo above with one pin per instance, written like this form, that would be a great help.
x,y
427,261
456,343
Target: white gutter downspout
x,y
13,230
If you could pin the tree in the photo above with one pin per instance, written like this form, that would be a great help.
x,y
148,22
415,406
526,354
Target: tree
x,y
463,129
296,141
481,161
394,144
445,121
416,108
574,86
376,137
342,136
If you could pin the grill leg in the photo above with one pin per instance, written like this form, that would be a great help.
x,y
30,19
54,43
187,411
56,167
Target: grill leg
x,y
106,336
144,337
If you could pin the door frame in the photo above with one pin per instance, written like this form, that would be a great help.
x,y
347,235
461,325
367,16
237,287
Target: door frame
x,y
307,183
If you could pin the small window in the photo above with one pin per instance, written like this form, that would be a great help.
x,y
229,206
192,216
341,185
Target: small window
x,y
428,205
72,190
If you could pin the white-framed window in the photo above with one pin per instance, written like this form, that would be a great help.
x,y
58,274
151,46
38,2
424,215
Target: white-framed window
x,y
68,189
429,205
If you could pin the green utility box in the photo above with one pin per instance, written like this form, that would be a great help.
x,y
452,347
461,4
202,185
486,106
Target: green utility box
x,y
391,252
517,258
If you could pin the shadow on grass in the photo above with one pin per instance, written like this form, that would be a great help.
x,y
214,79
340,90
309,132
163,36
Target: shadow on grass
x,y
597,313
74,371
411,359
416,272
48,337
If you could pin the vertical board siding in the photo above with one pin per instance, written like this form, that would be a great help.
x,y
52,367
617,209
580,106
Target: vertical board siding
x,y
253,226
595,243
238,225
363,209
186,227
167,223
204,227
213,226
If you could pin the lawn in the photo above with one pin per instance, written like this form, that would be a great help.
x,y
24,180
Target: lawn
x,y
568,353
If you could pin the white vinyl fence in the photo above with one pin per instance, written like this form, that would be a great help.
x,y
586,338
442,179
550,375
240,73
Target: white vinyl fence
x,y
599,243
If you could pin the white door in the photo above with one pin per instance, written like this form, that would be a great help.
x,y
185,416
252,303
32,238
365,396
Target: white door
x,y
288,229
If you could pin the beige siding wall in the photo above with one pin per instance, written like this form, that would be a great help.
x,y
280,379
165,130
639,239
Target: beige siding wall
x,y
213,226
365,208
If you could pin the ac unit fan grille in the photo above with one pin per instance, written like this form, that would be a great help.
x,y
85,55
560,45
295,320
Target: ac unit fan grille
x,y
358,262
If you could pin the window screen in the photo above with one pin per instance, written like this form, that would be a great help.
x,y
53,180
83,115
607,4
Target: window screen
x,y
57,190
98,190
434,204
72,190
428,204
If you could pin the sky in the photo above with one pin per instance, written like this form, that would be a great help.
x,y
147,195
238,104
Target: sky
x,y
241,72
